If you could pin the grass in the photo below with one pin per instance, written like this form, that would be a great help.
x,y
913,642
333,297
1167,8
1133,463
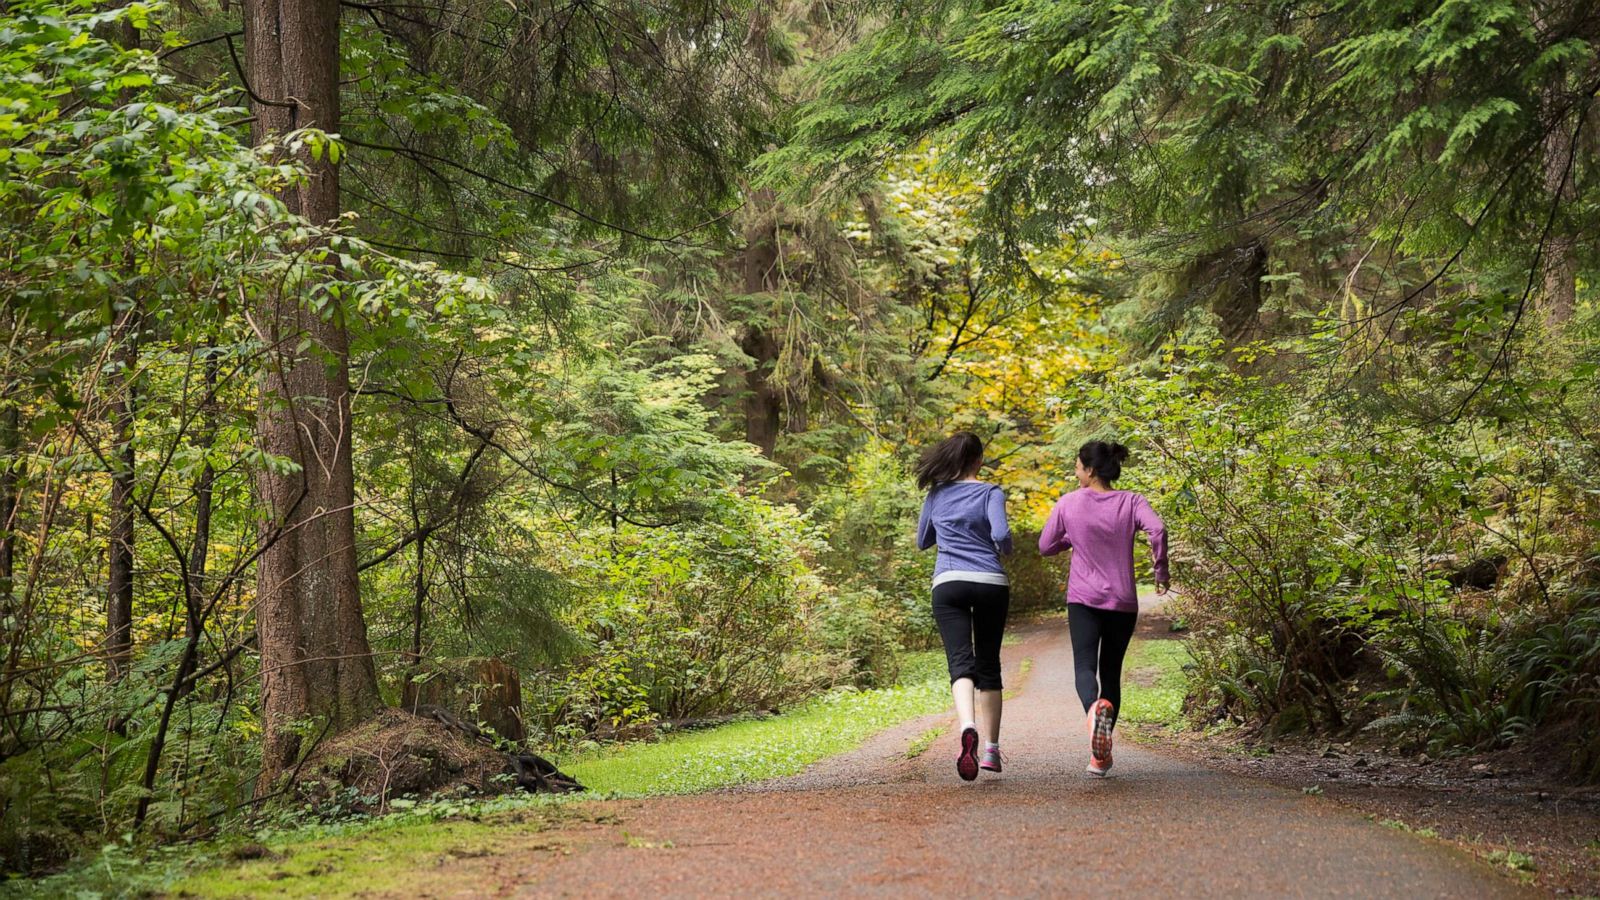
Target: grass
x,y
764,748
1520,865
399,852
1406,827
384,855
339,858
1154,683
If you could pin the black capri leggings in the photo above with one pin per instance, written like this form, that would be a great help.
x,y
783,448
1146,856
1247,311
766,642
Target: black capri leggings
x,y
1099,641
972,620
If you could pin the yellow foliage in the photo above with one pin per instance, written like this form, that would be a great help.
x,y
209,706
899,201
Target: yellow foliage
x,y
1015,342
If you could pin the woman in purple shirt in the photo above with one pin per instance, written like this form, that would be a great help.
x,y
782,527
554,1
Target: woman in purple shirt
x,y
966,518
1097,524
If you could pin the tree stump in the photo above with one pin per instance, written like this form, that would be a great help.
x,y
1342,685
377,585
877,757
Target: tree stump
x,y
485,691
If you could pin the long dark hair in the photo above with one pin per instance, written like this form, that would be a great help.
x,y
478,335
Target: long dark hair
x,y
1104,459
949,460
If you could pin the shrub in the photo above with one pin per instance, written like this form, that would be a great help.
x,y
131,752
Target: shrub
x,y
686,621
1342,568
870,519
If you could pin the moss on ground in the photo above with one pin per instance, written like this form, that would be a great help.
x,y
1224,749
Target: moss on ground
x,y
384,857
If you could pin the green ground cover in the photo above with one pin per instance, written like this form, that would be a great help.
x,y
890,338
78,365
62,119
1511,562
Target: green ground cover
x,y
1155,683
764,748
361,854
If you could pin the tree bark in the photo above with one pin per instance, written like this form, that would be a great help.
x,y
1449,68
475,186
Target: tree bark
x,y
1560,250
763,401
1238,299
484,691
10,482
119,583
12,625
10,460
420,594
763,405
204,488
315,659
1552,23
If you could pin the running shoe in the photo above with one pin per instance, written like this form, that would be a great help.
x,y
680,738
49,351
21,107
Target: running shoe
x,y
1101,717
967,762
991,760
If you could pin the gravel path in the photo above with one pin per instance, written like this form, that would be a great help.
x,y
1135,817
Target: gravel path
x,y
873,822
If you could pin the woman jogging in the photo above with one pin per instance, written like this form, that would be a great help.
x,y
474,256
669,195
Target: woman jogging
x,y
1097,522
966,518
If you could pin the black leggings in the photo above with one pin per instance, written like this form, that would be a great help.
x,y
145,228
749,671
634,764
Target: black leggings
x,y
1099,641
972,620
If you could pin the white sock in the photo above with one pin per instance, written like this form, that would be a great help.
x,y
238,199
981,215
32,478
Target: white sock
x,y
966,725
991,745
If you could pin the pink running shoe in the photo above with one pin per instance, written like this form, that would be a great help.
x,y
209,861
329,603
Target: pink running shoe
x,y
1101,717
967,762
991,760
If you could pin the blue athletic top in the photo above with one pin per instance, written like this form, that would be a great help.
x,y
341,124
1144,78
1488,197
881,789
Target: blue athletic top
x,y
967,520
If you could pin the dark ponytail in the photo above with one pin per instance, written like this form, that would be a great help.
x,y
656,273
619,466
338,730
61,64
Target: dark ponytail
x,y
949,460
1104,459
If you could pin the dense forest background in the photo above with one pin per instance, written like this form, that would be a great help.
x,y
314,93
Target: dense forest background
x,y
356,352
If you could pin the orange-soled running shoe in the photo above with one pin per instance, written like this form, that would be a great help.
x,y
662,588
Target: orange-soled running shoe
x,y
1101,717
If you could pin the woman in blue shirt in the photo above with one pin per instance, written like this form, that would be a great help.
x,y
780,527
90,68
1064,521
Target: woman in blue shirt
x,y
966,519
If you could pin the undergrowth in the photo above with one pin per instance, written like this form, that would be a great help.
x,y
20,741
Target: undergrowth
x,y
361,853
1154,683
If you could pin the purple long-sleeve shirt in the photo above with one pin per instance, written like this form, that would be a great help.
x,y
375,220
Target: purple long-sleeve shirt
x,y
1098,527
967,520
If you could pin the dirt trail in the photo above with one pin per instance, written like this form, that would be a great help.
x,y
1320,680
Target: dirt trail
x,y
873,822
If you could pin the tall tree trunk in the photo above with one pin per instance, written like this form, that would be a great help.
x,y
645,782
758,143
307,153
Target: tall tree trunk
x,y
119,584
10,463
204,487
419,601
1560,251
315,659
12,628
10,479
1560,257
125,344
1237,301
763,402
